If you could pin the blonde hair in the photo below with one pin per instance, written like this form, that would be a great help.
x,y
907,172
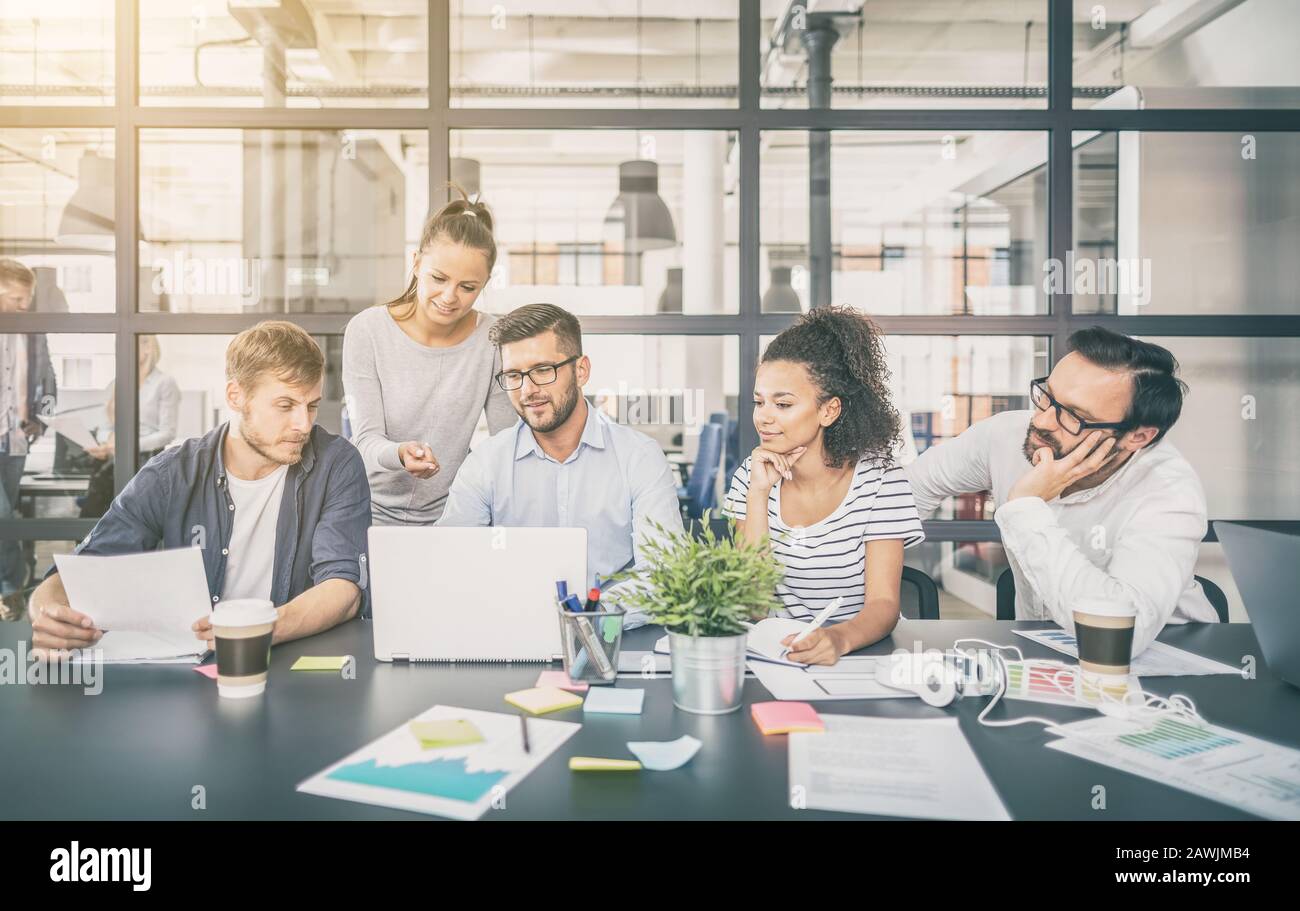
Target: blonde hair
x,y
277,347
152,351
13,272
460,221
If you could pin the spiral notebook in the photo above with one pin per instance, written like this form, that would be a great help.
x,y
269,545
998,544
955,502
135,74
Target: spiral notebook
x,y
471,594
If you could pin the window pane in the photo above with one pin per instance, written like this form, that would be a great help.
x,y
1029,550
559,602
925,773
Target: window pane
x,y
197,364
619,53
1238,427
56,414
891,54
56,52
941,384
1153,54
56,215
669,387
1186,223
919,222
278,221
607,221
33,560
339,53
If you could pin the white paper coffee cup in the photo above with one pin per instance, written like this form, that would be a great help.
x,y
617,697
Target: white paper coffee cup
x,y
1103,629
242,631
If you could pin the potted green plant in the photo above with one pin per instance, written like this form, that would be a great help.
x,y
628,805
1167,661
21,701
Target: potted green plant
x,y
705,592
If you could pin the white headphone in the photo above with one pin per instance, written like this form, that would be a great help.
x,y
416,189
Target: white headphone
x,y
940,678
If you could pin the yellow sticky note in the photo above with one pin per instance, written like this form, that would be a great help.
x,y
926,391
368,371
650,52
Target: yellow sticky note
x,y
542,699
453,732
319,664
592,764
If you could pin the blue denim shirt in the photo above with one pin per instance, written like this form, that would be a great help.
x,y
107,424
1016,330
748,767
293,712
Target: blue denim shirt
x,y
181,498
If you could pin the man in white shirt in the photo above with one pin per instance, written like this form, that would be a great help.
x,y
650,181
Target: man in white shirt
x,y
1090,500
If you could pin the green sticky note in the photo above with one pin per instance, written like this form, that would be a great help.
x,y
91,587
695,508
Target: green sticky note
x,y
609,626
319,664
454,732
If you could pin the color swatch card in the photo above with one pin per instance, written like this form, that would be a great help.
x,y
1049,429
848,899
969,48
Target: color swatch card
x,y
458,781
1157,660
1241,771
786,717
608,700
1057,684
542,699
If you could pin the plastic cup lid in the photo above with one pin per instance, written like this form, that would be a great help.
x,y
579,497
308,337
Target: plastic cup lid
x,y
244,612
1104,607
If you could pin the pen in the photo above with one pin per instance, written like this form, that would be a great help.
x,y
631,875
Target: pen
x,y
523,727
819,619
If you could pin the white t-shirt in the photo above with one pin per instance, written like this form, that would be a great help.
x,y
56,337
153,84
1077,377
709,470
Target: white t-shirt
x,y
829,558
251,561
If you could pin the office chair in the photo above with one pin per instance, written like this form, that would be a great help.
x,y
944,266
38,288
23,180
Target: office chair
x,y
698,494
1218,600
1007,596
918,596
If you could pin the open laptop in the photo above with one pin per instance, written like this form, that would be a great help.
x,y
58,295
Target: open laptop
x,y
471,594
1265,565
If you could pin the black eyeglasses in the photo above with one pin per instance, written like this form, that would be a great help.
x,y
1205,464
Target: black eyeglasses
x,y
541,375
1070,422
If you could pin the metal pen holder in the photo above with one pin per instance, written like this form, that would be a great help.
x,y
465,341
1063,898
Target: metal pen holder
x,y
591,643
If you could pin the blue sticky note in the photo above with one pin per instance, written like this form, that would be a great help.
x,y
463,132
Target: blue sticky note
x,y
608,700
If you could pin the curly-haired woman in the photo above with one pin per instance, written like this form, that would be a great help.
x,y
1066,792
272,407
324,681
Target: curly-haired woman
x,y
822,483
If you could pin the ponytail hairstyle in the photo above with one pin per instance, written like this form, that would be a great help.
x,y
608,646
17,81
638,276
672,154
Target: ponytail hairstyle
x,y
845,358
461,221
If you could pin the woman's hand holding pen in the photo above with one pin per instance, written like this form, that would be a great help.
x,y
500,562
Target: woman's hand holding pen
x,y
417,458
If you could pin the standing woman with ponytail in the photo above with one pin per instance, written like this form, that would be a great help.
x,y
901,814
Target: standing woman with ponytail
x,y
822,483
417,371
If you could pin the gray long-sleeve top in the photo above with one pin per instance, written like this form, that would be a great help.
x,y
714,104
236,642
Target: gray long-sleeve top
x,y
399,390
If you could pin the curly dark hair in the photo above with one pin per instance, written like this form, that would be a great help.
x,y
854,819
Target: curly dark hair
x,y
843,353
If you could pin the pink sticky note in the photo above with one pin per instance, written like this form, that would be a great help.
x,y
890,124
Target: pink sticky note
x,y
560,680
786,717
207,670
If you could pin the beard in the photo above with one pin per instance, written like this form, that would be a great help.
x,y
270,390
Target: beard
x,y
560,412
264,447
1047,442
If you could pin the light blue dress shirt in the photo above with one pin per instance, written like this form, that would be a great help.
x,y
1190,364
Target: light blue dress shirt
x,y
613,485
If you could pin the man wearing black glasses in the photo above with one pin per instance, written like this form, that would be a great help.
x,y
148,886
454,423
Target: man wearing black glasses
x,y
1091,501
565,464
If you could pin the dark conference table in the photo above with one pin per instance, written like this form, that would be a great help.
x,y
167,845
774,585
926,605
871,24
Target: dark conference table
x,y
137,749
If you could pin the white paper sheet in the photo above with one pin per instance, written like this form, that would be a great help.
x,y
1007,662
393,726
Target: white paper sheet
x,y
849,678
145,603
72,427
1241,771
664,756
915,768
1157,660
460,782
